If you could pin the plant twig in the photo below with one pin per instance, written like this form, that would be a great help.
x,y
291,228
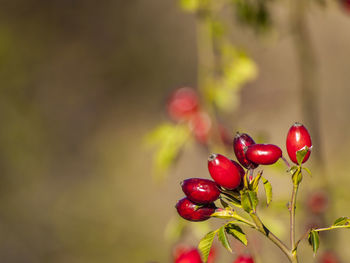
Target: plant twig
x,y
292,215
265,231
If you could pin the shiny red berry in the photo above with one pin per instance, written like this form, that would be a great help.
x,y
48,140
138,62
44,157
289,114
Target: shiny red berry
x,y
297,138
244,259
240,142
224,172
182,103
189,256
201,191
193,212
263,153
239,167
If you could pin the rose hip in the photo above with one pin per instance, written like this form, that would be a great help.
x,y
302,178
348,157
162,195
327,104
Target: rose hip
x,y
297,138
182,103
244,259
190,256
240,142
263,153
224,172
192,212
201,191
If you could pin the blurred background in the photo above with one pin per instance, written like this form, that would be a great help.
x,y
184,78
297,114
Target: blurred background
x,y
83,82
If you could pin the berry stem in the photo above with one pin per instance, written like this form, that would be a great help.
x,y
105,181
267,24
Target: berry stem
x,y
265,231
292,215
286,162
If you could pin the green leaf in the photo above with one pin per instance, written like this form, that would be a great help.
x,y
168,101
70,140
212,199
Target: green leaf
x,y
314,240
249,200
168,139
254,184
236,232
223,238
205,244
245,181
224,213
253,198
233,201
245,201
268,190
307,170
342,221
297,177
223,203
301,154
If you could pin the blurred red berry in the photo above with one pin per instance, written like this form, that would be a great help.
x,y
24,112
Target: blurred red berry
x,y
244,259
200,125
263,153
212,255
317,202
224,171
201,191
189,256
329,257
346,5
182,103
297,138
240,142
193,212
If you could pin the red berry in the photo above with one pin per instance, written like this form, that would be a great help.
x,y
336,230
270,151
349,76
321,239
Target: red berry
x,y
190,256
201,191
329,257
192,212
224,172
182,103
240,169
317,202
200,125
240,142
297,138
263,153
244,259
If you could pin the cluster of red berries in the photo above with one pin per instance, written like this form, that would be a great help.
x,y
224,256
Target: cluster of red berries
x,y
198,204
191,255
183,105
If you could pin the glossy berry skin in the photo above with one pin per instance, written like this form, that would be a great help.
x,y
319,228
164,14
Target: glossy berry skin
x,y
182,103
244,259
239,167
263,153
297,138
224,172
190,256
201,191
191,212
240,142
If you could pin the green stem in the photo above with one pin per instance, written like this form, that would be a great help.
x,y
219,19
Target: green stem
x,y
292,215
331,228
265,231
